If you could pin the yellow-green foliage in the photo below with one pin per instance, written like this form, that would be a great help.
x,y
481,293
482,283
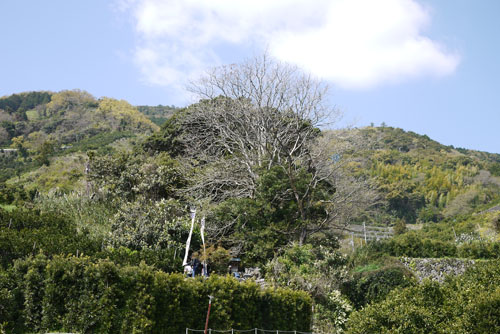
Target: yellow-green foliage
x,y
69,99
125,114
64,175
7,207
422,179
32,115
439,186
84,212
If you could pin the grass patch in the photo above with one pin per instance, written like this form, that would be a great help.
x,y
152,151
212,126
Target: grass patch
x,y
367,267
98,142
8,207
32,115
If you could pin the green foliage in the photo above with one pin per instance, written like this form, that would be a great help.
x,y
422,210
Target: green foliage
x,y
69,99
99,142
124,115
154,225
464,304
252,229
168,260
80,295
411,245
400,227
129,214
320,272
157,114
424,180
369,286
83,212
217,258
262,225
19,145
168,139
59,124
457,238
495,221
18,104
7,207
65,174
11,166
29,232
128,176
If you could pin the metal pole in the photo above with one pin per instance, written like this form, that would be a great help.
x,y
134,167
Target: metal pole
x,y
208,313
255,330
186,330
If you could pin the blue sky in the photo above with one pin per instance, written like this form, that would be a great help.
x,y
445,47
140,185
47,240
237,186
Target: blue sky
x,y
426,66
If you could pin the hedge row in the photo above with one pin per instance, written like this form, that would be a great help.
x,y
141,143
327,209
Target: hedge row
x,y
77,294
411,245
30,232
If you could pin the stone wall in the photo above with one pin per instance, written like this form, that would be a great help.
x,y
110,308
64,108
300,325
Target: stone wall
x,y
436,269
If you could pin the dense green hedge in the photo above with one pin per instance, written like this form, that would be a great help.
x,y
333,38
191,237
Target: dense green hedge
x,y
412,245
29,232
77,294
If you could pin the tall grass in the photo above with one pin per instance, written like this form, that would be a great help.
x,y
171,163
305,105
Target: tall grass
x,y
89,214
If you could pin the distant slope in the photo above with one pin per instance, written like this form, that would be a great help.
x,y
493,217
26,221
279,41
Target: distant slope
x,y
423,180
57,129
69,116
157,114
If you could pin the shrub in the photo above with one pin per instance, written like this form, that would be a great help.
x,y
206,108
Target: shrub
x,y
373,286
78,294
465,304
29,232
150,225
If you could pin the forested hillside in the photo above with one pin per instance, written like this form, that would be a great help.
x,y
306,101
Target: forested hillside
x,y
41,129
96,177
425,181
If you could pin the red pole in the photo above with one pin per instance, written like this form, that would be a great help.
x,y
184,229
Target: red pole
x,y
208,313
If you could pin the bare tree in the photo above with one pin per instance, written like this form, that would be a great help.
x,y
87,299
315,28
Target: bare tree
x,y
264,114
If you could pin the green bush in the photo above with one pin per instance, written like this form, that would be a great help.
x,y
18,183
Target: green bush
x,y
77,294
29,232
412,245
167,260
479,250
372,286
466,304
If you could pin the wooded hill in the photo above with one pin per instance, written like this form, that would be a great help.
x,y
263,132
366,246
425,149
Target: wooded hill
x,y
424,181
44,128
98,177
419,180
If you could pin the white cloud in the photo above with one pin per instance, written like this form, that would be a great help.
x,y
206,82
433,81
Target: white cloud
x,y
352,43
